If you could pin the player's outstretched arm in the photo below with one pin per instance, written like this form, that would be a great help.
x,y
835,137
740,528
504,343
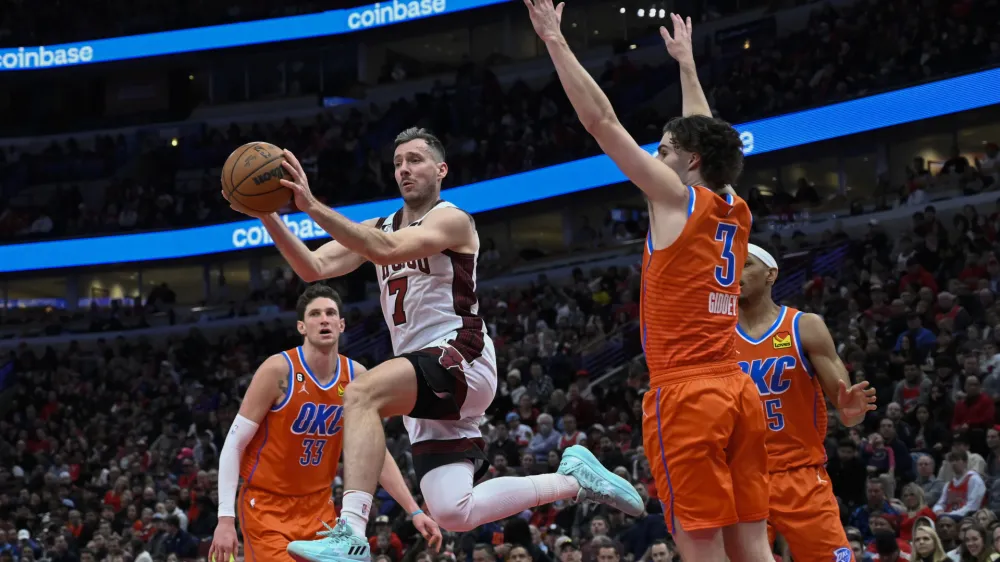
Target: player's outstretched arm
x,y
269,383
329,260
594,110
693,100
853,402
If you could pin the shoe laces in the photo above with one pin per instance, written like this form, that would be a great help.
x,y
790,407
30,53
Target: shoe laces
x,y
333,534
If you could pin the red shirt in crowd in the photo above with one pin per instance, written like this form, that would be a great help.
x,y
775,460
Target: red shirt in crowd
x,y
974,412
921,278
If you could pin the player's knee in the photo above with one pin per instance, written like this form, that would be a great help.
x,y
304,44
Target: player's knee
x,y
455,517
359,394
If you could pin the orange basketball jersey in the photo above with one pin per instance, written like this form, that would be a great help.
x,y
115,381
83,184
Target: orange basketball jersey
x,y
296,450
690,289
789,388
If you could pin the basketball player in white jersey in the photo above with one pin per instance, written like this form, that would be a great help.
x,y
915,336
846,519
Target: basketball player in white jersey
x,y
444,375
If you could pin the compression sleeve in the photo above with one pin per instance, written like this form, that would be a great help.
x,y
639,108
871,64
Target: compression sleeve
x,y
237,440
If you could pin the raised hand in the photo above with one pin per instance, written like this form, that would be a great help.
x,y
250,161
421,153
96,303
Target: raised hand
x,y
545,18
679,44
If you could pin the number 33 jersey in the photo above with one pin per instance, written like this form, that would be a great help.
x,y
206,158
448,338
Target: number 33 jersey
x,y
432,301
790,391
691,288
296,450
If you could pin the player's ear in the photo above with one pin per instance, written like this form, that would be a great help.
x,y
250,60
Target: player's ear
x,y
694,162
772,276
442,170
301,327
343,325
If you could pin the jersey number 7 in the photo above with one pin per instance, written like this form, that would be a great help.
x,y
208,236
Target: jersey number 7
x,y
725,274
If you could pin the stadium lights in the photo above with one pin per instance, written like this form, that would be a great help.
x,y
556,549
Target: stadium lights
x,y
641,12
663,13
173,141
622,10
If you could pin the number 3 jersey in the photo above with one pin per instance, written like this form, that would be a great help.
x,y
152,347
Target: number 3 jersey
x,y
296,450
691,288
432,301
789,390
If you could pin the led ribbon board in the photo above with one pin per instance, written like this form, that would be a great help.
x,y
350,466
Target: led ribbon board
x,y
776,133
333,22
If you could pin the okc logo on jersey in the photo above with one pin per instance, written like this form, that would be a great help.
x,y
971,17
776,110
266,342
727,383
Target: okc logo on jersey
x,y
768,374
321,420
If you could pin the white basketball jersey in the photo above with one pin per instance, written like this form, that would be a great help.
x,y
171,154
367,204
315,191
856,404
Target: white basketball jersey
x,y
432,301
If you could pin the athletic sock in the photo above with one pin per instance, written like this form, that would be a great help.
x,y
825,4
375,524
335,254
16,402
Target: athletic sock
x,y
357,506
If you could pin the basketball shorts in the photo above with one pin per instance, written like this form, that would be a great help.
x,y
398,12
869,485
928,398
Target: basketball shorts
x,y
453,394
703,433
270,521
805,512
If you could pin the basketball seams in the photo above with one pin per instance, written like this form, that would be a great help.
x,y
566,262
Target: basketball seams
x,y
255,170
232,172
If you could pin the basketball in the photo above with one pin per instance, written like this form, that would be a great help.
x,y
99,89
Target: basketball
x,y
252,176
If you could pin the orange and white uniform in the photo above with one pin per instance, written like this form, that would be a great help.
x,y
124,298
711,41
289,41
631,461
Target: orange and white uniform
x,y
803,507
703,426
289,466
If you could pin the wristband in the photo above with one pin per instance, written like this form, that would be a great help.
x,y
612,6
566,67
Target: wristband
x,y
416,513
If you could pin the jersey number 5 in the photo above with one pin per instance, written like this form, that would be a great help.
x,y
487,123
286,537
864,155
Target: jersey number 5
x,y
775,419
725,274
398,287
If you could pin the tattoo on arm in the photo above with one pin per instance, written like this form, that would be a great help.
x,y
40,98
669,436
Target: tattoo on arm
x,y
283,385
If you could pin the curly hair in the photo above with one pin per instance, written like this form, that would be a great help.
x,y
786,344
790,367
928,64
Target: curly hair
x,y
716,141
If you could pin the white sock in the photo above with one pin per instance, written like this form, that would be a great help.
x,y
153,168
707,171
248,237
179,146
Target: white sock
x,y
553,487
357,506
503,497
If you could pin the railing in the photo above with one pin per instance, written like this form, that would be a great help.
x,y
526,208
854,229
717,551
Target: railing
x,y
797,268
610,351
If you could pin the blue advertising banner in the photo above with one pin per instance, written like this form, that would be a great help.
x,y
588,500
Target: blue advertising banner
x,y
776,133
333,22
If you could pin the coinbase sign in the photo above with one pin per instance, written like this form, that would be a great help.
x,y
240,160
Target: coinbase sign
x,y
767,135
333,22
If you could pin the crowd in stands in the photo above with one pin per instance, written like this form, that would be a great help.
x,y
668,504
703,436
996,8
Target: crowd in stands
x,y
490,131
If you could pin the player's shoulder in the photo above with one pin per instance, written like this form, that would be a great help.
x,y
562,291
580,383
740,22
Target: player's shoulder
x,y
448,211
279,362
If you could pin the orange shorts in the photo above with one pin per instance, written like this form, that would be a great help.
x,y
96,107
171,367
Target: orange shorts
x,y
270,521
805,512
704,433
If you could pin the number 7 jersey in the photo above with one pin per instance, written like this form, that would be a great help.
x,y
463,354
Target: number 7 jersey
x,y
691,289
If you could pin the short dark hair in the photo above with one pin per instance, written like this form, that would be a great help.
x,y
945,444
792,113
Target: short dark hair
x,y
717,142
420,133
313,292
487,548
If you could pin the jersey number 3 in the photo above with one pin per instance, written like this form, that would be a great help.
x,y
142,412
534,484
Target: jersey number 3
x,y
725,273
398,288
